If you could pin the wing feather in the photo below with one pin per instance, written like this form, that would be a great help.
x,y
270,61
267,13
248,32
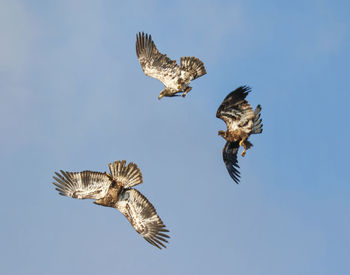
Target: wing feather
x,y
229,155
82,185
236,111
153,63
130,175
143,217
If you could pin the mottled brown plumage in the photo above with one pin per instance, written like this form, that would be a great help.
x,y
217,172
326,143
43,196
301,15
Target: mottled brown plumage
x,y
241,122
114,190
175,78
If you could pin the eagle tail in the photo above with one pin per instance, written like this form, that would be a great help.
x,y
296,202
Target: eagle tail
x,y
257,125
129,175
193,65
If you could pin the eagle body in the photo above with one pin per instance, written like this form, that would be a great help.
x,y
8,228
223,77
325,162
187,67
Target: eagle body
x,y
115,190
241,121
112,196
175,78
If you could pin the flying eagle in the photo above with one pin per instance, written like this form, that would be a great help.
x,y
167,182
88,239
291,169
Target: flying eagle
x,y
114,190
241,122
175,78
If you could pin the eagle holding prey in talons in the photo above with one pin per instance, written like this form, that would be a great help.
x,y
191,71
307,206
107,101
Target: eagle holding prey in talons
x,y
241,122
114,190
175,78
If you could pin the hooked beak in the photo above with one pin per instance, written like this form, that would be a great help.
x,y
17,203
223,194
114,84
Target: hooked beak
x,y
160,96
98,202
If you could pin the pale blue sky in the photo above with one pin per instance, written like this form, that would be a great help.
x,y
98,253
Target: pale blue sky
x,y
73,97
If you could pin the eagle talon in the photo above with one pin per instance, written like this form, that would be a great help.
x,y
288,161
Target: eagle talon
x,y
241,143
186,91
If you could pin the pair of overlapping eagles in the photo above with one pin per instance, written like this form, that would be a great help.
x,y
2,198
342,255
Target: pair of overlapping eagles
x,y
115,190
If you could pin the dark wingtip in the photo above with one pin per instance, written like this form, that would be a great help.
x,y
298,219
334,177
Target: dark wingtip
x,y
229,155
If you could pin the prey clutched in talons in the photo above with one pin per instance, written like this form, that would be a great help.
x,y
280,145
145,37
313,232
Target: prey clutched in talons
x,y
186,91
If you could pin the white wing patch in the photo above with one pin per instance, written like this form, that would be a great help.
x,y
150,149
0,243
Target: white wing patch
x,y
82,185
142,216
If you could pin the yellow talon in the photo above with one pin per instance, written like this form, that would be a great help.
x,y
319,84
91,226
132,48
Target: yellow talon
x,y
241,143
187,91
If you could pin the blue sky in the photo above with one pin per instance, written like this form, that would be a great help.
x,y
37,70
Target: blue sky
x,y
73,97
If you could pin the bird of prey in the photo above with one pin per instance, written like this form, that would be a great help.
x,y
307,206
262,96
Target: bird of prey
x,y
175,78
241,122
114,190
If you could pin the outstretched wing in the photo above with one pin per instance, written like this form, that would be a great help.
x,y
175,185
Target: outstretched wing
x,y
153,63
82,185
143,217
236,111
229,154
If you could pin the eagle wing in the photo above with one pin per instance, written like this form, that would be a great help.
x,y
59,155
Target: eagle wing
x,y
236,111
153,63
229,154
142,216
82,185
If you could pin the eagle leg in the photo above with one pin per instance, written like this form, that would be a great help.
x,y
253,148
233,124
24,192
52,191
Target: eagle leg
x,y
188,89
242,143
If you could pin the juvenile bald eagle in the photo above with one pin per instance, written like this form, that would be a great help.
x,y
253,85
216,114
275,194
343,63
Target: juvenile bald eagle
x,y
241,122
175,78
114,190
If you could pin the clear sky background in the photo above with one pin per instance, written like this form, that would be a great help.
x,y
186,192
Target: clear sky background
x,y
73,97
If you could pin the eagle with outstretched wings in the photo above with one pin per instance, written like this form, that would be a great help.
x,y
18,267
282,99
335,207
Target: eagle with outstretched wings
x,y
175,78
241,122
114,190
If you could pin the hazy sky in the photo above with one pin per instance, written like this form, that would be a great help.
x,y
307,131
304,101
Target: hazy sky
x,y
73,97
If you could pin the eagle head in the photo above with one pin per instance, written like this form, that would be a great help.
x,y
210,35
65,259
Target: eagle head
x,y
100,201
167,92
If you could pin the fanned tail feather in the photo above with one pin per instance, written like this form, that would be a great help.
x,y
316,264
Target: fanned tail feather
x,y
193,65
257,125
129,175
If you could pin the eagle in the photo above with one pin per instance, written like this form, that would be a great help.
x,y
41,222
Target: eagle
x,y
241,122
114,190
175,78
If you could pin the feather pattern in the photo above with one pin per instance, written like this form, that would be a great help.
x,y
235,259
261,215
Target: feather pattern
x,y
229,155
107,191
241,121
143,217
257,125
236,111
129,175
82,185
154,64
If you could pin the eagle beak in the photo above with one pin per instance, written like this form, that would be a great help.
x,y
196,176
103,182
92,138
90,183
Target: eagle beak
x,y
98,202
160,96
